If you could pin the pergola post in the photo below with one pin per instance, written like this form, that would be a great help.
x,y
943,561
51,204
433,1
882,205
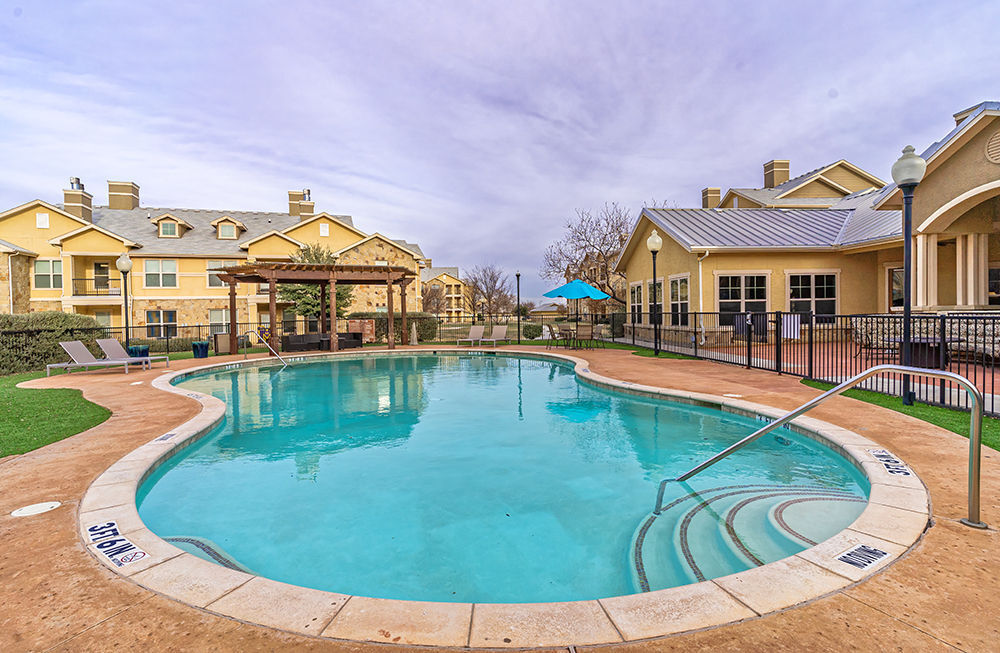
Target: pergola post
x,y
390,335
404,336
322,308
334,338
272,309
233,322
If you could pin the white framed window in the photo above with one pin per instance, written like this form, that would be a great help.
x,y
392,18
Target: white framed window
x,y
894,283
813,292
741,293
48,274
226,231
213,277
324,230
41,221
218,320
654,296
168,229
161,273
103,318
680,292
161,324
635,302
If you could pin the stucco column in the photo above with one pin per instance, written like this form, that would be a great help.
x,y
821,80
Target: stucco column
x,y
960,256
983,270
404,336
926,269
920,270
390,336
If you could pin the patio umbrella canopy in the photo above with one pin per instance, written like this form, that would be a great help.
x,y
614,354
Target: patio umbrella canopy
x,y
577,289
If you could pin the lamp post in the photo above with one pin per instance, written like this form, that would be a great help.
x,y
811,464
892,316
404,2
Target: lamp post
x,y
653,244
124,265
517,275
907,172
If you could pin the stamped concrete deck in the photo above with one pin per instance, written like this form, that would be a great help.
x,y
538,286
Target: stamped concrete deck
x,y
57,597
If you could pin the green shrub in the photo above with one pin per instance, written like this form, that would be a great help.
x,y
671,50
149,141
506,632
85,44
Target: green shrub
x,y
531,331
427,324
31,341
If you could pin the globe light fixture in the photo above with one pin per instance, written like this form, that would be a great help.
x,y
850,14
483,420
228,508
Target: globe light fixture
x,y
124,265
653,244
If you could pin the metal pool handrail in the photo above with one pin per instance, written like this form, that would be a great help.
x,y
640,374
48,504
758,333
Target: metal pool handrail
x,y
284,364
975,429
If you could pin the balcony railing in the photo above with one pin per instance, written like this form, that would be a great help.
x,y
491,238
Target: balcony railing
x,y
97,287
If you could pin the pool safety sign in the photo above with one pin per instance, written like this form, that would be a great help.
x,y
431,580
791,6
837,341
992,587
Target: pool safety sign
x,y
862,556
110,543
893,465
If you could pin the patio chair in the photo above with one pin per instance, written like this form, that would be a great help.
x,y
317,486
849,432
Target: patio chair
x,y
553,337
115,351
499,333
81,357
585,333
567,335
475,334
600,334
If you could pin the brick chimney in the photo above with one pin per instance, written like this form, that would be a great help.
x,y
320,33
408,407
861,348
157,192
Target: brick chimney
x,y
775,172
123,195
710,197
307,207
77,201
294,197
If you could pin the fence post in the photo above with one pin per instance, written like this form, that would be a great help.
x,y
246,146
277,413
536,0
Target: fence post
x,y
943,362
810,345
749,339
695,323
777,342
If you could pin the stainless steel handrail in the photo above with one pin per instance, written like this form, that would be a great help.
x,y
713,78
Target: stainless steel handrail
x,y
975,429
284,363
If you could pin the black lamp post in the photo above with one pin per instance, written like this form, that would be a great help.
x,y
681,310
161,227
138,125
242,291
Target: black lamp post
x,y
124,265
907,172
517,275
653,244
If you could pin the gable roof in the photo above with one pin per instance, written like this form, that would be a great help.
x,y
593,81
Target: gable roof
x,y
10,248
47,206
344,220
426,274
92,227
171,216
778,196
402,244
273,232
226,218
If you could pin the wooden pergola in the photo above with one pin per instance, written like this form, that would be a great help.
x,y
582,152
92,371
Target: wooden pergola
x,y
326,276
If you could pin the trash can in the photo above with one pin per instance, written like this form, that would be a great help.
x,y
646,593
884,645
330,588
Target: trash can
x,y
200,348
138,351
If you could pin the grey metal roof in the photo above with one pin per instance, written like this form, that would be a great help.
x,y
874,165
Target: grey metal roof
x,y
16,248
429,273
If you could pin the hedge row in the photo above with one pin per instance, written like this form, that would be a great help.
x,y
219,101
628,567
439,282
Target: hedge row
x,y
31,341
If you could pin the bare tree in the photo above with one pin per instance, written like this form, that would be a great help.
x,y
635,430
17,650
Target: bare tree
x,y
589,248
488,289
434,300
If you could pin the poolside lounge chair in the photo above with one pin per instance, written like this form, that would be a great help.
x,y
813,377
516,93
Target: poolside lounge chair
x,y
475,334
114,351
499,333
82,357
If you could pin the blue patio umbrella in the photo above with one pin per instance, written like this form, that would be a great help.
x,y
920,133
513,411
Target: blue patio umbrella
x,y
577,289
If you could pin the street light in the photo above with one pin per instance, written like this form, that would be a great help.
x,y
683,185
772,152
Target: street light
x,y
653,244
517,275
907,172
124,265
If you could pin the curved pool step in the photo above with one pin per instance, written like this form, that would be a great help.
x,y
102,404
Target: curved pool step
x,y
206,549
722,530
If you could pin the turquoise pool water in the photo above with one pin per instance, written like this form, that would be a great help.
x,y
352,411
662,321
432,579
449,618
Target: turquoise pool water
x,y
483,478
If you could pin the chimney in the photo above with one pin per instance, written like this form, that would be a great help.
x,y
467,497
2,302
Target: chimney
x,y
294,197
775,172
77,201
307,207
123,195
710,197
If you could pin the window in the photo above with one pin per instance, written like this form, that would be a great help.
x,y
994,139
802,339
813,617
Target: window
x,y
48,274
635,302
103,318
815,293
41,221
227,231
896,287
324,230
161,324
994,287
654,291
213,277
161,274
742,293
679,301
102,276
218,320
168,229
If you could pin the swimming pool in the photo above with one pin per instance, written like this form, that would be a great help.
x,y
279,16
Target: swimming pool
x,y
483,478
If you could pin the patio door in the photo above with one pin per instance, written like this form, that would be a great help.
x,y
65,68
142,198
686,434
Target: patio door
x,y
102,277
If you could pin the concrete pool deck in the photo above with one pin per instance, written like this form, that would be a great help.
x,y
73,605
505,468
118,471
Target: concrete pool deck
x,y
57,596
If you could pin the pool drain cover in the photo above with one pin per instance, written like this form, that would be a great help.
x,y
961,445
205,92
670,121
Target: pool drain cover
x,y
35,509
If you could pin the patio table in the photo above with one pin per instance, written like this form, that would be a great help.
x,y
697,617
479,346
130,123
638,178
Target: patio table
x,y
926,352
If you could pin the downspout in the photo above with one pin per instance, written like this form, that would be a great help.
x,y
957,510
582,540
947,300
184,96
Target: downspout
x,y
701,300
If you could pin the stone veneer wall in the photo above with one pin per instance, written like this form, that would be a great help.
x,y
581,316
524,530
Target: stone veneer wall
x,y
17,268
372,298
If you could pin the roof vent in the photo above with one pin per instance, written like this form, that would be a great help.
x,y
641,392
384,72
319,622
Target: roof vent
x,y
306,194
993,148
75,183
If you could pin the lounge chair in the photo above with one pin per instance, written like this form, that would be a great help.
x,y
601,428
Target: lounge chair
x,y
114,351
82,357
475,334
499,333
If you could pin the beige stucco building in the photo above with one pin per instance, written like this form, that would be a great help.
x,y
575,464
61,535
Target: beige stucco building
x,y
62,257
830,241
449,282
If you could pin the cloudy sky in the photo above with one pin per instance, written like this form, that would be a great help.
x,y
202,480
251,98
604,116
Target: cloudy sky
x,y
472,128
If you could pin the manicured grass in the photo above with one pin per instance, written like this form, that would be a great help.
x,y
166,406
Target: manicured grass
x,y
30,419
955,421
